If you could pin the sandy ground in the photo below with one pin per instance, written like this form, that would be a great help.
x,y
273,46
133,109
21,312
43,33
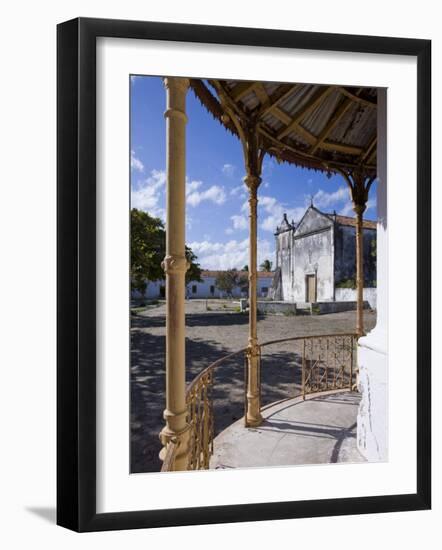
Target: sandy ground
x,y
211,335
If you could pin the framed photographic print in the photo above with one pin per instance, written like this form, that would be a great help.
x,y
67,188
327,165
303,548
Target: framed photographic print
x,y
243,274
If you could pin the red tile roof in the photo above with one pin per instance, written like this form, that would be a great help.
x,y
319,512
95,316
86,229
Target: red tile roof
x,y
347,220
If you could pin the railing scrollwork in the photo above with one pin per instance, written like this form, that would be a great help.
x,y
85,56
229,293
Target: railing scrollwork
x,y
328,363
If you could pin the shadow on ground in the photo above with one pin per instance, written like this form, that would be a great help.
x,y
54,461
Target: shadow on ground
x,y
281,377
209,338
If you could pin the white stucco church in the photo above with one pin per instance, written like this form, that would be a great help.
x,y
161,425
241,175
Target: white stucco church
x,y
316,259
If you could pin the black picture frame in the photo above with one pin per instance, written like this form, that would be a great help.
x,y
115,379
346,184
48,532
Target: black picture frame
x,y
76,274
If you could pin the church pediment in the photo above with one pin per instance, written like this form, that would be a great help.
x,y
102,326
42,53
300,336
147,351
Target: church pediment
x,y
313,220
285,225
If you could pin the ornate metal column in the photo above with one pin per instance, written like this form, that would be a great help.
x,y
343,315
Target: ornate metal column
x,y
253,158
175,265
359,211
359,184
247,129
253,413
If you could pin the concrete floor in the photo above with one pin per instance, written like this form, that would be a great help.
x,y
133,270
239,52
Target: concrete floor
x,y
319,430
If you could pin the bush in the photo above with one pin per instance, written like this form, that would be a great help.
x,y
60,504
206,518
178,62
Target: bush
x,y
347,283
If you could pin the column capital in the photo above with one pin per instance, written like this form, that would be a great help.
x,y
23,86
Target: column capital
x,y
359,208
252,182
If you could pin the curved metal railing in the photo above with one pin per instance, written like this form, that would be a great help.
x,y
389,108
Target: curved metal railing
x,y
169,459
328,362
200,416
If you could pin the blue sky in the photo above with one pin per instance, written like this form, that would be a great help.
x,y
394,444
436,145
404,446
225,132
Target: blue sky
x,y
216,199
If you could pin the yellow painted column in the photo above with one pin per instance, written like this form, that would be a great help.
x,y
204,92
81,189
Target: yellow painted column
x,y
253,413
175,266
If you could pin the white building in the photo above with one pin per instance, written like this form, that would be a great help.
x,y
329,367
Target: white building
x,y
316,259
208,289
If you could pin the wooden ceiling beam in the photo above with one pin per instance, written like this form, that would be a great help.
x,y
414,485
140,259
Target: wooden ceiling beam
x,y
357,98
281,93
320,95
281,115
335,118
241,90
368,153
371,156
224,97
261,92
280,146
342,148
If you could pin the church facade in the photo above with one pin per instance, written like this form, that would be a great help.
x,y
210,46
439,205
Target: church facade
x,y
316,259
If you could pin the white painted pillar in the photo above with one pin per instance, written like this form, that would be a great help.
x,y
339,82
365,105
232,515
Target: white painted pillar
x,y
372,426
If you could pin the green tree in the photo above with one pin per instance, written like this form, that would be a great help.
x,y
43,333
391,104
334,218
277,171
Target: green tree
x,y
243,283
147,251
245,268
227,280
266,265
147,238
194,271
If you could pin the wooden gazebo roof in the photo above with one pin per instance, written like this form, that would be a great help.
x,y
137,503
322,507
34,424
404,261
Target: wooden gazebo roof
x,y
328,128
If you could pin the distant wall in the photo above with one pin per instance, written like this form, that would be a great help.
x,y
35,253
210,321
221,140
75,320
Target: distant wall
x,y
277,307
349,295
155,289
320,308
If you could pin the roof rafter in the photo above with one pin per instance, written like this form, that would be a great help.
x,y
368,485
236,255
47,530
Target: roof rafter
x,y
300,132
368,153
282,93
335,118
357,98
242,89
261,92
280,146
320,95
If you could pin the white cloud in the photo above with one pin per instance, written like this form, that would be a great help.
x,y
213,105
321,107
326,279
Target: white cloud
x,y
347,209
325,200
135,163
192,185
268,166
238,189
215,194
371,203
239,222
148,194
272,212
228,169
216,255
